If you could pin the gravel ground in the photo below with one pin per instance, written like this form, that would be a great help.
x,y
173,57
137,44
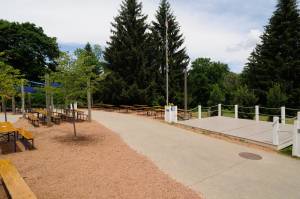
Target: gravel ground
x,y
96,164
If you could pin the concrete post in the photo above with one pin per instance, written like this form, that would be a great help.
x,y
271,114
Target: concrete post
x,y
199,112
219,110
167,113
257,113
296,137
174,114
283,115
236,111
275,131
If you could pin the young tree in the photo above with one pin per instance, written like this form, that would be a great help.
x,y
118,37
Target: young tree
x,y
10,79
178,59
126,55
71,86
88,64
277,58
27,48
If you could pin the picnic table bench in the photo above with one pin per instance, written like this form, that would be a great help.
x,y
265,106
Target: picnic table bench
x,y
7,129
26,135
13,181
33,119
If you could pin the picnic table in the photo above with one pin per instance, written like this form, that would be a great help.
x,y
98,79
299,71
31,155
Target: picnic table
x,y
6,128
126,107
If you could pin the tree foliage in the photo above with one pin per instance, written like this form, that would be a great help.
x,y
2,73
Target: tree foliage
x,y
27,48
276,97
277,58
126,56
10,81
177,57
203,76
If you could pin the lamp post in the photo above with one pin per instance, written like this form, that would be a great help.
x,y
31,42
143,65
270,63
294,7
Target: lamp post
x,y
167,61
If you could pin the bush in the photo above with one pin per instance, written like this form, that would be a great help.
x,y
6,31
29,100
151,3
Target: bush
x,y
246,98
276,97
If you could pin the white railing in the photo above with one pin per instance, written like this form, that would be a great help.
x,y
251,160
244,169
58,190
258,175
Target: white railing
x,y
296,137
255,111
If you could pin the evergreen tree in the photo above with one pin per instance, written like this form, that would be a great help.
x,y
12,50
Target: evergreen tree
x,y
178,58
277,58
126,54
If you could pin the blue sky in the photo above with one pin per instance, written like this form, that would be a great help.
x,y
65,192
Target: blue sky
x,y
224,30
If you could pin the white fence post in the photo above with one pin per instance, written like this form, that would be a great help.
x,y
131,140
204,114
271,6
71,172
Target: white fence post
x,y
199,112
219,110
236,111
275,131
283,115
257,113
296,137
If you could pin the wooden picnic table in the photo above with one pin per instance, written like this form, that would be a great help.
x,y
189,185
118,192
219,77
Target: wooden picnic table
x,y
126,107
7,128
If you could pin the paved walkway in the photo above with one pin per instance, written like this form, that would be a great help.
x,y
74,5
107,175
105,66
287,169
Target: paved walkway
x,y
207,165
260,132
10,117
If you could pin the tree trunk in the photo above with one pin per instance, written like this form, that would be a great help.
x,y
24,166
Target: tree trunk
x,y
48,101
74,125
2,104
89,100
4,108
13,104
29,101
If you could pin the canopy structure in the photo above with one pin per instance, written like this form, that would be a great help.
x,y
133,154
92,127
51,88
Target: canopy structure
x,y
31,88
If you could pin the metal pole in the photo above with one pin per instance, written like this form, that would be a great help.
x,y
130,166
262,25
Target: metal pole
x,y
185,93
23,98
47,83
89,100
167,62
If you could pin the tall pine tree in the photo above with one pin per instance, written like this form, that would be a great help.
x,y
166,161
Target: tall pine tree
x,y
277,58
126,56
178,58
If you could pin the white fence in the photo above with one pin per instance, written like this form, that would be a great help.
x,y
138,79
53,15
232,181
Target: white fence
x,y
296,137
255,111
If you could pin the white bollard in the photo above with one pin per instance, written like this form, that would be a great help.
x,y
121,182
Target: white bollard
x,y
283,115
167,113
174,114
275,131
199,112
219,110
257,113
236,111
296,139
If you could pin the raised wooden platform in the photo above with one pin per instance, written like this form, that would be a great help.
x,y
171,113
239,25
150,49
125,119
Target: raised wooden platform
x,y
259,133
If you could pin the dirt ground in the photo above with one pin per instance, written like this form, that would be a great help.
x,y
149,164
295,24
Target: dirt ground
x,y
96,164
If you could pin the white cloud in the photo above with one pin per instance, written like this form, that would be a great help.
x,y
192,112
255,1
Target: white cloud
x,y
224,36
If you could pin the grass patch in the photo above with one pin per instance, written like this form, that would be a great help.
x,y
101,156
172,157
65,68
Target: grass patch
x,y
287,151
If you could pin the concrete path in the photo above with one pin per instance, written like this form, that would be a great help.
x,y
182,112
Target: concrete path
x,y
209,166
10,117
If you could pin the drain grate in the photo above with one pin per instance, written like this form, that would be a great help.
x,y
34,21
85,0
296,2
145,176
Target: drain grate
x,y
250,156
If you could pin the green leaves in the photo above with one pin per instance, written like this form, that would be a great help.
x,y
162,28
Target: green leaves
x,y
27,48
10,80
277,58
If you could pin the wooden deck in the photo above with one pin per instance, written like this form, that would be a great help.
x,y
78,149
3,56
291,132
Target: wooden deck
x,y
246,130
